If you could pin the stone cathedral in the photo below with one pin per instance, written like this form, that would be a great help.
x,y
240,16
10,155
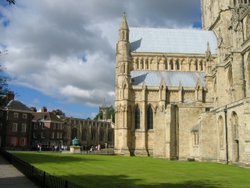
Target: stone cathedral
x,y
185,94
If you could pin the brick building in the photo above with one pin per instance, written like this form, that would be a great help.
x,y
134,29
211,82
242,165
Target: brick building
x,y
16,125
48,130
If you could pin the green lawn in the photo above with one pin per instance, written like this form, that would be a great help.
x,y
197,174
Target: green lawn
x,y
117,171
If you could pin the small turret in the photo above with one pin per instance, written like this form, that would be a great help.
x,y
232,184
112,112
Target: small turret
x,y
123,57
124,30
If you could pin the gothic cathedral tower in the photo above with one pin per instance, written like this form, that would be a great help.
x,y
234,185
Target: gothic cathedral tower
x,y
230,21
122,86
226,19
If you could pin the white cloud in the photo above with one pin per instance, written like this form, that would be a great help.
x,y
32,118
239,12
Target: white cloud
x,y
67,48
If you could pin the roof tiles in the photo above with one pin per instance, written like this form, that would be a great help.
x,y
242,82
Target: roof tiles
x,y
171,78
171,40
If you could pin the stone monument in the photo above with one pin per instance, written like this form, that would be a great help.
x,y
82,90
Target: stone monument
x,y
75,147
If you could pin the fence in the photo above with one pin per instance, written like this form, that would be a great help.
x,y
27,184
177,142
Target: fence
x,y
39,177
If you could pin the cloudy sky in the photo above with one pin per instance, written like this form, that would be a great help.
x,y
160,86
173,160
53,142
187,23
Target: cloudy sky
x,y
61,53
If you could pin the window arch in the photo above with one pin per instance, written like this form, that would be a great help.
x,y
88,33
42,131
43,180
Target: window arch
x,y
177,64
146,63
142,64
137,117
166,65
235,126
171,64
196,65
201,65
150,119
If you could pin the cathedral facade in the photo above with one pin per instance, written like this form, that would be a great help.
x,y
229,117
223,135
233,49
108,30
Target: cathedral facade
x,y
185,94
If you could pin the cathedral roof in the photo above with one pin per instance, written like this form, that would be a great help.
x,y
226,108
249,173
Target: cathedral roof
x,y
171,78
171,40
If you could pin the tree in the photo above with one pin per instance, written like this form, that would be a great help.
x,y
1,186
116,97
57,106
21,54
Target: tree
x,y
3,82
11,1
59,112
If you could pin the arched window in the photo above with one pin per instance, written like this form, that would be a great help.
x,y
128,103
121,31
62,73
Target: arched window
x,y
177,64
235,137
166,65
201,66
171,65
235,126
137,118
150,117
196,65
142,64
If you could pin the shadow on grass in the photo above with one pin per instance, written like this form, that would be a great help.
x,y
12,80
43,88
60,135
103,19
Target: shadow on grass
x,y
121,181
40,158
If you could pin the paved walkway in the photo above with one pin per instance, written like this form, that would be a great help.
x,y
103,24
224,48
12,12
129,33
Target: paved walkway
x,y
10,177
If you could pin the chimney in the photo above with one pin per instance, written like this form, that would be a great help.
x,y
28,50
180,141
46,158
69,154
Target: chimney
x,y
10,96
44,109
33,109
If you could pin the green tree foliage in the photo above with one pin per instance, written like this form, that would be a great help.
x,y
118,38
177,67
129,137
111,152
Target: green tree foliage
x,y
3,87
59,112
11,1
110,115
3,83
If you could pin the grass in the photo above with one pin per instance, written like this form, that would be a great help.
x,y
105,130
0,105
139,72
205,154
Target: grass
x,y
145,172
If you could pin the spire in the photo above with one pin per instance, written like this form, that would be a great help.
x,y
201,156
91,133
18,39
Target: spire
x,y
124,30
124,24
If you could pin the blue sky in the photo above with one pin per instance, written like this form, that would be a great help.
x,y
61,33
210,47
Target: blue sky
x,y
62,54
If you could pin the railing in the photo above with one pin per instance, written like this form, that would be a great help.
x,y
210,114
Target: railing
x,y
41,178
